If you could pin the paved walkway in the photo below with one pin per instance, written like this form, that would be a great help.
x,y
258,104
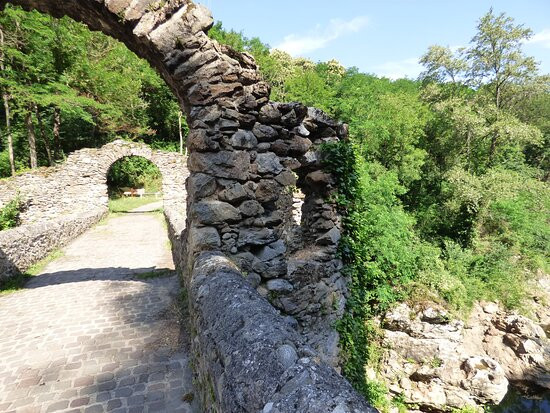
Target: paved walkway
x,y
88,335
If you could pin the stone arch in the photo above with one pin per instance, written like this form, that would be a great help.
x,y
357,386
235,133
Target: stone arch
x,y
80,183
244,154
94,165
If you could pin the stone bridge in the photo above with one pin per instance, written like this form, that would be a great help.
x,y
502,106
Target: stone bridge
x,y
264,287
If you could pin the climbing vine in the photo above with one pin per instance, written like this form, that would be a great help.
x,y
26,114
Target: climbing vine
x,y
378,251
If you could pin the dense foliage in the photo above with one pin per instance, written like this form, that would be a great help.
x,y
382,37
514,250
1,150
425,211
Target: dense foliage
x,y
9,214
133,172
66,88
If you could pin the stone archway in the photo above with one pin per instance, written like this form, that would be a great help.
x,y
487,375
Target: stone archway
x,y
245,156
80,183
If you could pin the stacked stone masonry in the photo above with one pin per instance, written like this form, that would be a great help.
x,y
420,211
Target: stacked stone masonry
x,y
23,246
80,183
249,158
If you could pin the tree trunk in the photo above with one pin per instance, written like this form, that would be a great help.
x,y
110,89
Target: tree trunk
x,y
5,98
468,140
181,134
32,139
45,139
56,133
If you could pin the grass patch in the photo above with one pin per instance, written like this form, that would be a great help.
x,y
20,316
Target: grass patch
x,y
14,284
18,282
154,274
37,268
126,204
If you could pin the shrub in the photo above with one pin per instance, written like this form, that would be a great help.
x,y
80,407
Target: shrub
x,y
9,214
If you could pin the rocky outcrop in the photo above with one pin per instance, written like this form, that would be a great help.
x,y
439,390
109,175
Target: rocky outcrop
x,y
438,363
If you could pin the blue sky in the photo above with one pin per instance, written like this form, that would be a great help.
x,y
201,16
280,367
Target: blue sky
x,y
384,37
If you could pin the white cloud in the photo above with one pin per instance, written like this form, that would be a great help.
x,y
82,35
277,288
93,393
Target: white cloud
x,y
542,38
399,69
318,38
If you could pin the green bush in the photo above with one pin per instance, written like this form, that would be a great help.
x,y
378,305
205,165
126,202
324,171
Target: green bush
x,y
9,215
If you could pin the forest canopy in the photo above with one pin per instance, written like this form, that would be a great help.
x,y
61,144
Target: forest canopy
x,y
65,87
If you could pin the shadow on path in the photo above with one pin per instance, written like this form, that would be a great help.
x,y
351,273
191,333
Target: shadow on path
x,y
95,340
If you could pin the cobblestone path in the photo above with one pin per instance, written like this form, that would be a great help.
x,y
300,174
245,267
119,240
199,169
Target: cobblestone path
x,y
88,335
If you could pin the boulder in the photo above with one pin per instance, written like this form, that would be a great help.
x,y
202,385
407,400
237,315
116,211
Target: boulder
x,y
214,212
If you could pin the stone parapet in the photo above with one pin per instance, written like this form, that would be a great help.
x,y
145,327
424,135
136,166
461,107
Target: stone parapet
x,y
23,246
249,358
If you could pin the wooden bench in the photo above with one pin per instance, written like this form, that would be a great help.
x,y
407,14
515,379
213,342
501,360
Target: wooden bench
x,y
133,192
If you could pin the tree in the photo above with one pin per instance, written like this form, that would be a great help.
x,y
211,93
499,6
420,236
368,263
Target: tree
x,y
495,56
442,65
5,99
476,89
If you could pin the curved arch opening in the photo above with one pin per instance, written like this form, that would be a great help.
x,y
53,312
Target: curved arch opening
x,y
133,182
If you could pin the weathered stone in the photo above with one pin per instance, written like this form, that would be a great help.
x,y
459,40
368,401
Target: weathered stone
x,y
319,178
271,251
299,146
246,330
205,238
254,279
214,212
280,148
236,193
251,208
279,285
286,178
228,124
243,140
263,147
267,191
470,366
320,117
287,356
311,158
223,164
201,185
264,133
275,268
268,163
255,236
199,140
270,114
331,237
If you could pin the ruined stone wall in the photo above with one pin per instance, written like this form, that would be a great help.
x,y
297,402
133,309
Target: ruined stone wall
x,y
248,158
80,183
22,247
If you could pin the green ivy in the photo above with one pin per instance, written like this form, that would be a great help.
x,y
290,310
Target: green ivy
x,y
378,248
9,215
